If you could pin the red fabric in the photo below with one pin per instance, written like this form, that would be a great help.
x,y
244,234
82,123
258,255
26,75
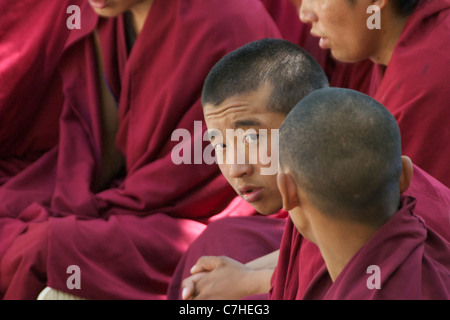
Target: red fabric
x,y
300,260
414,263
414,87
128,238
242,235
250,230
30,87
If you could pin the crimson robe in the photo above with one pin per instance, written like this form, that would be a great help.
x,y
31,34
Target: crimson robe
x,y
126,239
415,87
30,87
412,261
260,234
300,261
241,234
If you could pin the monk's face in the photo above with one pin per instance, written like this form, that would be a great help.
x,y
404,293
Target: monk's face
x,y
244,135
341,27
112,8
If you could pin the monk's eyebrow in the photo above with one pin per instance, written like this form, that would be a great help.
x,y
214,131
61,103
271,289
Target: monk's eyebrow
x,y
246,123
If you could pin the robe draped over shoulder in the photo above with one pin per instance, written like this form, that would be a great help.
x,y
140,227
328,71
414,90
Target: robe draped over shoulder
x,y
31,95
415,88
125,239
300,261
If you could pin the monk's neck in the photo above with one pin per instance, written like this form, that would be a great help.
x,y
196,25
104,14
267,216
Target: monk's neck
x,y
391,30
340,242
139,13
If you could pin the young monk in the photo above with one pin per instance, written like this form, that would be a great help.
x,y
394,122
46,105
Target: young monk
x,y
341,177
409,77
260,103
212,275
109,200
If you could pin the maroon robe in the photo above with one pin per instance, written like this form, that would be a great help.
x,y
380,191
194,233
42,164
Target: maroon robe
x,y
221,238
30,87
300,261
415,88
242,234
126,239
413,263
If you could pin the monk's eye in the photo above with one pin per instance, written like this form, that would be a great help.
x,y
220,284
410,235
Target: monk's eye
x,y
251,138
219,146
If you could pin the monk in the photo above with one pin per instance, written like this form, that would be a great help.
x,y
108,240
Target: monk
x,y
260,104
254,276
107,213
355,76
395,34
341,177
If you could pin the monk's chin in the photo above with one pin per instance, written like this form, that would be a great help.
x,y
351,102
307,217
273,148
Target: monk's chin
x,y
347,58
265,210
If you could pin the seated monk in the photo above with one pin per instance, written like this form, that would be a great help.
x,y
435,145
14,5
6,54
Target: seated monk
x,y
109,200
341,177
404,40
248,90
215,271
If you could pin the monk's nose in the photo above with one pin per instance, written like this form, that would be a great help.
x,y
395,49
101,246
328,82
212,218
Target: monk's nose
x,y
237,170
307,14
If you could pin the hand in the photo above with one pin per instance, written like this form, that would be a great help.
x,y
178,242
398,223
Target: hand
x,y
218,278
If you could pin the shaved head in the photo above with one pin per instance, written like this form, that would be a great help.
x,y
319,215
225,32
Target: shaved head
x,y
289,70
344,151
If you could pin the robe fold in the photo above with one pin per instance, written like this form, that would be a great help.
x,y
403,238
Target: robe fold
x,y
125,239
415,88
242,234
31,96
300,262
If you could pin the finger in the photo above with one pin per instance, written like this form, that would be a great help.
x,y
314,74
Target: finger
x,y
188,289
188,286
206,263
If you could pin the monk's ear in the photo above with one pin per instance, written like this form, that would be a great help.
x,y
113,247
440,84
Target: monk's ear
x,y
407,172
288,190
380,3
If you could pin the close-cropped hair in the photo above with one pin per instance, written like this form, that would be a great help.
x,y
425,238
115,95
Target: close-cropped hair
x,y
289,70
344,149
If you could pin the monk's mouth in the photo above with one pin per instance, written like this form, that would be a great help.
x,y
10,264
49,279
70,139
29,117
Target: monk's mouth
x,y
252,195
98,4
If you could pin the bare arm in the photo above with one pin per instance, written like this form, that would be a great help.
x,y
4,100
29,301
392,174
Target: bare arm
x,y
269,261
